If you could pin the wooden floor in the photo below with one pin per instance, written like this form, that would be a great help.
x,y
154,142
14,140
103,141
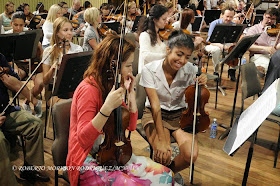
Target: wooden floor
x,y
213,166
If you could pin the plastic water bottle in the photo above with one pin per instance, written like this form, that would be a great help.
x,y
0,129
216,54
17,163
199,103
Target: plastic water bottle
x,y
243,60
213,131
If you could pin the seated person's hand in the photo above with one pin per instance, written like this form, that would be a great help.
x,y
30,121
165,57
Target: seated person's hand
x,y
202,79
163,152
270,50
2,119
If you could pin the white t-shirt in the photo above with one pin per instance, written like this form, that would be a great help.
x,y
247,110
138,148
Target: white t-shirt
x,y
171,97
48,32
73,49
149,53
12,31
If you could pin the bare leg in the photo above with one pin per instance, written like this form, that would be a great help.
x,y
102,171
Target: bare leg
x,y
184,141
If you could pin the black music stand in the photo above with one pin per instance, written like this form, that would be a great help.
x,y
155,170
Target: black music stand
x,y
20,46
70,73
198,22
237,53
211,15
113,25
226,33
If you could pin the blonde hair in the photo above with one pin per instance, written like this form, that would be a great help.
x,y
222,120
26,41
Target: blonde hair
x,y
131,3
91,15
52,13
58,23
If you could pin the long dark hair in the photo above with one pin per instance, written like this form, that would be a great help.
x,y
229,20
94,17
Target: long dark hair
x,y
147,22
101,63
187,16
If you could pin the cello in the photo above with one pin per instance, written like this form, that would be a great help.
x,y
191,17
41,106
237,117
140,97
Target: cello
x,y
116,149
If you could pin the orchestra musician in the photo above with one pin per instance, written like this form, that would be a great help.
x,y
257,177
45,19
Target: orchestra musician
x,y
132,12
91,35
22,68
165,81
17,122
265,45
7,14
151,46
30,17
172,15
94,101
62,32
64,9
40,9
76,7
105,11
55,11
216,48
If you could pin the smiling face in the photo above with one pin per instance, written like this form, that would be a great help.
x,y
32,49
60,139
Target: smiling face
x,y
177,57
26,10
65,32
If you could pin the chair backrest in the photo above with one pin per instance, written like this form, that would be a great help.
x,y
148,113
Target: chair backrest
x,y
61,120
135,62
250,85
140,96
250,82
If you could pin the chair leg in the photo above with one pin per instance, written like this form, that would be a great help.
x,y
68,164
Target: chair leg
x,y
207,63
277,151
151,151
46,120
56,177
217,87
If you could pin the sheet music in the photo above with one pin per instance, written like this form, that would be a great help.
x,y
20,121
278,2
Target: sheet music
x,y
253,116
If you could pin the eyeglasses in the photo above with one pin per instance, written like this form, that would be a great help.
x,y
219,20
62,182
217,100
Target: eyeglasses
x,y
271,18
65,7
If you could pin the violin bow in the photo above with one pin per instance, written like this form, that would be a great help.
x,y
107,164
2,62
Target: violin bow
x,y
118,111
28,79
196,105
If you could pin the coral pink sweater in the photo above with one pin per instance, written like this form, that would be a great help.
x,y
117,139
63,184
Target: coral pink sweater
x,y
86,104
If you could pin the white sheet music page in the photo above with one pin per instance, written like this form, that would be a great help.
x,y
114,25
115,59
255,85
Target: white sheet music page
x,y
255,114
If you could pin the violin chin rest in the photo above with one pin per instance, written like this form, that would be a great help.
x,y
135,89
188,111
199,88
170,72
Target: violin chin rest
x,y
119,144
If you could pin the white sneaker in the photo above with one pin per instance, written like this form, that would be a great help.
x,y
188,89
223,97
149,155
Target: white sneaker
x,y
38,109
27,107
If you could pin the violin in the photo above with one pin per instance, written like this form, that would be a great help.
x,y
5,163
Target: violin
x,y
103,30
234,62
202,117
164,34
112,17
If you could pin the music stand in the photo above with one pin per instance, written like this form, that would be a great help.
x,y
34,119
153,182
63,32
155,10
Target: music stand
x,y
237,53
70,73
113,25
211,15
135,24
198,22
20,46
226,33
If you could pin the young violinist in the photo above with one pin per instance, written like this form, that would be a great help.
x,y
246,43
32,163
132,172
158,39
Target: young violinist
x,y
93,102
30,18
91,36
64,9
62,32
18,122
151,45
55,11
132,12
7,14
165,81
105,11
22,67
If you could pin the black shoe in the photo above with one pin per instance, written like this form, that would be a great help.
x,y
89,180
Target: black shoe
x,y
231,74
33,176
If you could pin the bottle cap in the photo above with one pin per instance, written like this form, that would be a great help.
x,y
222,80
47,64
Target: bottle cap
x,y
214,119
